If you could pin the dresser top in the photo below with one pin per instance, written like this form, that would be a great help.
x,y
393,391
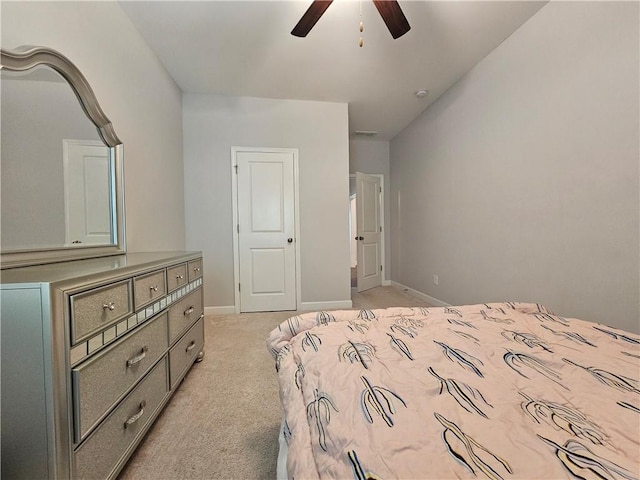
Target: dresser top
x,y
66,274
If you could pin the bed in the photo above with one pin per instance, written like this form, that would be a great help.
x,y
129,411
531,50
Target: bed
x,y
498,390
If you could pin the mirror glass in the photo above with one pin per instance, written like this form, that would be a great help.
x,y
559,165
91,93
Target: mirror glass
x,y
60,192
56,171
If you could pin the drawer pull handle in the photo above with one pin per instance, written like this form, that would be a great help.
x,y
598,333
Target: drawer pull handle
x,y
109,306
138,358
179,277
154,288
190,346
196,269
137,416
188,311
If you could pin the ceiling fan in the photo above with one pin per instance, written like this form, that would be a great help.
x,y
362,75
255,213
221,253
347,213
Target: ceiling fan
x,y
389,10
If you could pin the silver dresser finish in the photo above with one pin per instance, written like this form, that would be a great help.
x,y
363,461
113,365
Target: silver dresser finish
x,y
176,276
92,310
103,379
182,314
90,357
183,353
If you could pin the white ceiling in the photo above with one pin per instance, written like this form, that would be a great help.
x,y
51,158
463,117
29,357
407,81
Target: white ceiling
x,y
244,48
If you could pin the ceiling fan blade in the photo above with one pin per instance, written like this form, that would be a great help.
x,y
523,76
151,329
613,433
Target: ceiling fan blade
x,y
310,17
392,15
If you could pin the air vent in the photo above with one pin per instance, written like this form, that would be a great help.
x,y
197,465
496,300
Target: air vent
x,y
365,133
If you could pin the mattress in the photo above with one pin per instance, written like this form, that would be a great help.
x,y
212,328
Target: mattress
x,y
498,390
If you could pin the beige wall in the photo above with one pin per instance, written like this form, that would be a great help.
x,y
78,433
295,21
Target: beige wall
x,y
319,130
522,181
137,95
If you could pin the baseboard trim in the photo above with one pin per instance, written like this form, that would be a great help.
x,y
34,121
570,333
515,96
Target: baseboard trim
x,y
304,306
226,310
420,295
337,305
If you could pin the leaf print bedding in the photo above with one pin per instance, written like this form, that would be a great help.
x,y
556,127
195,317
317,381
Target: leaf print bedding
x,y
499,390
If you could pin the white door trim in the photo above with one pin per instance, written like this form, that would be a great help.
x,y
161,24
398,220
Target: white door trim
x,y
382,216
234,202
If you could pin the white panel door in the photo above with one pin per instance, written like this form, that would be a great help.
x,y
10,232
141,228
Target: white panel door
x,y
87,193
266,230
369,272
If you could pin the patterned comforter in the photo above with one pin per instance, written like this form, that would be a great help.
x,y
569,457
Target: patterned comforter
x,y
502,390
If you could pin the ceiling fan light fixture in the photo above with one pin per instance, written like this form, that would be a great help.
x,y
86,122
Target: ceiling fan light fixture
x,y
389,10
421,93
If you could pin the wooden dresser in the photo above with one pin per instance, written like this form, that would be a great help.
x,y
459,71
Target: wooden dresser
x,y
92,350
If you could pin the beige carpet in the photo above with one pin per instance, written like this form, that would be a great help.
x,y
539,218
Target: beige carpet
x,y
223,421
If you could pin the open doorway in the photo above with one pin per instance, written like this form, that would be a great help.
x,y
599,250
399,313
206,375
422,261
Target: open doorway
x,y
353,230
366,228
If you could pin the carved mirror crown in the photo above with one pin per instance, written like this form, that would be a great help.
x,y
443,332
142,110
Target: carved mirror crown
x,y
62,179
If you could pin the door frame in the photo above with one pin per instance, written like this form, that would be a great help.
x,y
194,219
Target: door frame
x,y
234,203
382,224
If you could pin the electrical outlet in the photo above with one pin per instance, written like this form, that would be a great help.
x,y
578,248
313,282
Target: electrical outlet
x,y
436,280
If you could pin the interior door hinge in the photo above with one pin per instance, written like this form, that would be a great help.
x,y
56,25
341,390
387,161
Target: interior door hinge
x,y
380,189
380,267
236,167
238,227
380,228
238,287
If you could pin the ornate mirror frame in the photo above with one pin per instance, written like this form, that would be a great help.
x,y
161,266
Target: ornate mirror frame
x,y
26,58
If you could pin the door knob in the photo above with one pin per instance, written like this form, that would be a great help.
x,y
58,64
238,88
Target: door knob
x,y
360,238
289,240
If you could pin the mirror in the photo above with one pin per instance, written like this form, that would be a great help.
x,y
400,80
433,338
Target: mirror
x,y
61,183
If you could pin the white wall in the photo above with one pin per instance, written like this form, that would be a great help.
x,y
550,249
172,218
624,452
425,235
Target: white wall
x,y
215,123
372,156
522,181
137,95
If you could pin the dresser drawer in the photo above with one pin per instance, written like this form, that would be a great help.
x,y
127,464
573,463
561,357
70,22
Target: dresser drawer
x,y
184,313
184,353
103,379
148,288
104,449
176,276
98,308
195,269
